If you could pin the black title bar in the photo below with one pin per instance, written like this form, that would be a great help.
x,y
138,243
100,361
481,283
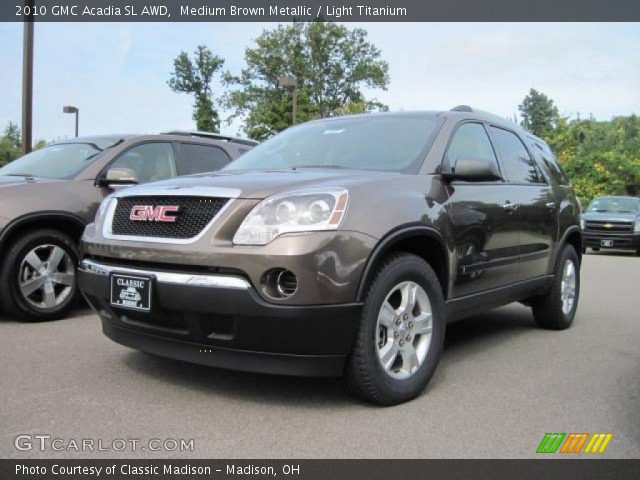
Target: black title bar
x,y
330,10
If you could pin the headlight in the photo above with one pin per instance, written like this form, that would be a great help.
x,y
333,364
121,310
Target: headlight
x,y
302,211
582,224
636,227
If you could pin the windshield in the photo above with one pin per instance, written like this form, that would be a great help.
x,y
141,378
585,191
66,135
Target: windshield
x,y
614,204
392,143
63,160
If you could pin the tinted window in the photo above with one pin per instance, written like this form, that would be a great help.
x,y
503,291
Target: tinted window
x,y
518,165
471,141
150,161
366,142
201,158
552,164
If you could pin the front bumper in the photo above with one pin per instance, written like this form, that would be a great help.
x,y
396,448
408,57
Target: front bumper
x,y
621,242
221,321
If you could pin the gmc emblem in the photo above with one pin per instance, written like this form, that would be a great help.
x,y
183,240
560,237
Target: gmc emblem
x,y
149,213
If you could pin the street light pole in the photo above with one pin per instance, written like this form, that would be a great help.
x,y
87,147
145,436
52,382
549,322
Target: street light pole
x,y
27,83
291,82
295,105
72,109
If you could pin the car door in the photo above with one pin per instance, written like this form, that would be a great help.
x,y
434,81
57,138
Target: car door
x,y
485,225
197,158
535,200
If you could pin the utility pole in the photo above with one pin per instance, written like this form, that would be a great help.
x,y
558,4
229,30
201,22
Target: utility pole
x,y
27,81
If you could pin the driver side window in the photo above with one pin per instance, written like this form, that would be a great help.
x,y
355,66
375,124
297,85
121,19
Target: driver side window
x,y
151,161
470,141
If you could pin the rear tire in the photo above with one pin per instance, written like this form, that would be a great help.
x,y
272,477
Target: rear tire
x,y
557,309
399,341
38,276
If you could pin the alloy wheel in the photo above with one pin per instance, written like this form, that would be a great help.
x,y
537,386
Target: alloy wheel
x,y
404,329
568,287
46,276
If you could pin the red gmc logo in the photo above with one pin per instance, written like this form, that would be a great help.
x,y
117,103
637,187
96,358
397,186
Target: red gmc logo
x,y
149,213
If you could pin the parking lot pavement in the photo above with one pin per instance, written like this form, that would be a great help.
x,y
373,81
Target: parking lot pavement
x,y
501,385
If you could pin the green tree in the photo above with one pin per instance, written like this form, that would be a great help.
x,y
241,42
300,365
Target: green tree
x,y
539,113
194,76
331,64
600,157
10,143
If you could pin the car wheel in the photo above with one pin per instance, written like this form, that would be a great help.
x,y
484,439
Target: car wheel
x,y
557,309
39,272
401,332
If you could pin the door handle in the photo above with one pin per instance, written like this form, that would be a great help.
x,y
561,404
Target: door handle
x,y
510,207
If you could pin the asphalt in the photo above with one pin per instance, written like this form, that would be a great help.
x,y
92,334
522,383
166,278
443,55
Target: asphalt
x,y
501,385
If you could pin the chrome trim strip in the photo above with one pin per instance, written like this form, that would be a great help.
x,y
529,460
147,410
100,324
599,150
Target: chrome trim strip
x,y
194,280
163,191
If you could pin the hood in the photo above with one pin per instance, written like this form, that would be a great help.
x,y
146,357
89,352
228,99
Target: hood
x,y
260,184
610,216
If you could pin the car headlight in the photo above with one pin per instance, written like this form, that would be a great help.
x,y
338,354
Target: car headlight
x,y
301,211
636,227
582,224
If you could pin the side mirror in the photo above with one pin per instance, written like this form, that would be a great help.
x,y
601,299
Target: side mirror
x,y
472,169
119,176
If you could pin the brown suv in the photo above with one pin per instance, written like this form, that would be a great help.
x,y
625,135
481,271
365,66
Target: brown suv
x,y
48,197
340,247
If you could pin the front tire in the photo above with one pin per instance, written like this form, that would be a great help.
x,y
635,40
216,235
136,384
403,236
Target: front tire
x,y
557,309
39,276
399,341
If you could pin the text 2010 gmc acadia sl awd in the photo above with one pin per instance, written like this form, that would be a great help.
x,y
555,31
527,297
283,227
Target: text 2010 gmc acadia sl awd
x,y
340,247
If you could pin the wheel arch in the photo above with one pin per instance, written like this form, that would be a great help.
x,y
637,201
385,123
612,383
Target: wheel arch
x,y
426,242
572,236
64,222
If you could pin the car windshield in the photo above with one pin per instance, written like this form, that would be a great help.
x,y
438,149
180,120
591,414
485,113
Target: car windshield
x,y
386,142
62,160
614,204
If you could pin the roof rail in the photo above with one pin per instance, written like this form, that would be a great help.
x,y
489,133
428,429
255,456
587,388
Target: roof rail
x,y
214,136
462,108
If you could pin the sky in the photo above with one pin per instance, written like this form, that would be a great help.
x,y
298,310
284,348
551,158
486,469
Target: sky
x,y
116,73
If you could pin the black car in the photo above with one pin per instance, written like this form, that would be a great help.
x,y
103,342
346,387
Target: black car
x,y
612,222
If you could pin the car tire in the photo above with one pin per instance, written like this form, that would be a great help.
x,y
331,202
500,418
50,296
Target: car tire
x,y
389,326
557,309
39,277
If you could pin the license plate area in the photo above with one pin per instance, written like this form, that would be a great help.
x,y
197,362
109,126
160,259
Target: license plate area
x,y
606,243
131,291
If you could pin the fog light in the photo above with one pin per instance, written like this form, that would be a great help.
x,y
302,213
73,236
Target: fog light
x,y
280,283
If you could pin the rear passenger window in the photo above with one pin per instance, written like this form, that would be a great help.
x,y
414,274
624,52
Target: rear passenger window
x,y
470,141
201,158
518,165
552,164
